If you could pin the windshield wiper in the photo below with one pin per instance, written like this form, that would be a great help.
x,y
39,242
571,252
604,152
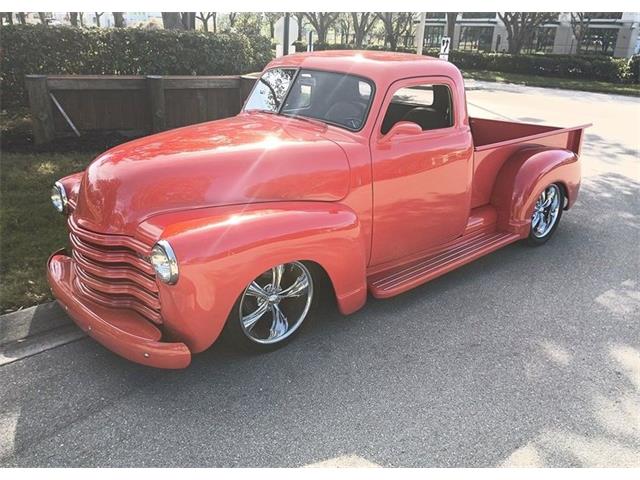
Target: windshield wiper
x,y
261,110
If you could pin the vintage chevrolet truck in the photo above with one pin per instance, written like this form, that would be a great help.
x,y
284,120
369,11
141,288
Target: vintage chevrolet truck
x,y
361,170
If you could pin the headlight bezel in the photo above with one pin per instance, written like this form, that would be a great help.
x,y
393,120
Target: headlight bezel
x,y
164,248
58,188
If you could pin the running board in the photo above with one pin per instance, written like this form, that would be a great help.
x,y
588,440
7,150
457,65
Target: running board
x,y
466,249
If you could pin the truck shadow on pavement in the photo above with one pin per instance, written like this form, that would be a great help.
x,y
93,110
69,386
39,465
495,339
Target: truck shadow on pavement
x,y
528,356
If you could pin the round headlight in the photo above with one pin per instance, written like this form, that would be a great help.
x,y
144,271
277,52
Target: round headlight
x,y
164,262
59,197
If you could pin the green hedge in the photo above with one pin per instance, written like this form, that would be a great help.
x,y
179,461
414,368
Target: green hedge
x,y
592,67
583,67
38,49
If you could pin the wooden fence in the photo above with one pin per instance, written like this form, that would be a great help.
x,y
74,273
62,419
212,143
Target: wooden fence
x,y
62,105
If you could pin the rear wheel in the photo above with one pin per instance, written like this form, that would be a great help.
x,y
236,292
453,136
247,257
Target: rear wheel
x,y
546,215
273,307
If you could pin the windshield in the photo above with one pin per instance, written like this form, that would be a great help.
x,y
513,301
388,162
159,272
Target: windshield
x,y
336,98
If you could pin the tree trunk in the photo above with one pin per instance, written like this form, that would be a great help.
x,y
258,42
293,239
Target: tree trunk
x,y
215,22
171,21
118,19
22,18
98,15
189,20
43,18
9,16
73,18
451,25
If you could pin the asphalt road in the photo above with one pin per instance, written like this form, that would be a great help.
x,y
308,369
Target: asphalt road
x,y
525,357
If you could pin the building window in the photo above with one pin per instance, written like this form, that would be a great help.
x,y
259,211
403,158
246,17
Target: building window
x,y
541,41
439,15
600,40
475,39
433,36
474,15
604,15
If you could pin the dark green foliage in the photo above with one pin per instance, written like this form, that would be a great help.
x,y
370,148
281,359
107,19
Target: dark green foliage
x,y
582,67
38,49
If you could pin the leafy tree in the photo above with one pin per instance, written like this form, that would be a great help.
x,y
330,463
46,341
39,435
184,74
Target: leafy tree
x,y
232,18
172,21
344,22
188,20
249,24
522,25
362,25
118,19
272,18
321,22
395,26
98,15
580,25
300,18
204,17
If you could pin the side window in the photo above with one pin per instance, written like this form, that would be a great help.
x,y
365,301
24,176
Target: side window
x,y
428,105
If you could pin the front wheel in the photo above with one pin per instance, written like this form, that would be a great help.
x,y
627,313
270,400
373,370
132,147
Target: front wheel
x,y
546,215
273,307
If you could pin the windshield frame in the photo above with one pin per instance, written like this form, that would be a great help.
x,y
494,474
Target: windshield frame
x,y
279,112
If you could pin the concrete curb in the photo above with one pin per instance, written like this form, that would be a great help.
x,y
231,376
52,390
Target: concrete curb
x,y
34,330
31,321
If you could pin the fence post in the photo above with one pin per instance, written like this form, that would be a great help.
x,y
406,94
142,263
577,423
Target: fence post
x,y
155,87
41,111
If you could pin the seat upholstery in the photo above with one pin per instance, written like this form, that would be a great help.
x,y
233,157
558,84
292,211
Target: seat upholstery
x,y
341,111
427,118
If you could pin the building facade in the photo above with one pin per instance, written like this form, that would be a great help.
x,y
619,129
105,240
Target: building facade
x,y
609,33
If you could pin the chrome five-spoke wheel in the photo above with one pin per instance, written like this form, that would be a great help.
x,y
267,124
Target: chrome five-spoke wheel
x,y
546,213
275,304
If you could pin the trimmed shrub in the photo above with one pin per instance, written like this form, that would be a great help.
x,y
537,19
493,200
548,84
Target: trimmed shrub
x,y
592,67
584,67
39,49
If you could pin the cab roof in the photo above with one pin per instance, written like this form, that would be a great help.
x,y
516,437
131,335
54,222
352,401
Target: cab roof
x,y
381,67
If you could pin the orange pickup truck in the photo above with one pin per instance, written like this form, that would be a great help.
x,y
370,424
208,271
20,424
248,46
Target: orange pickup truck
x,y
361,171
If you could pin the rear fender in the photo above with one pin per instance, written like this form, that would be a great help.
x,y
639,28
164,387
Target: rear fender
x,y
220,250
524,176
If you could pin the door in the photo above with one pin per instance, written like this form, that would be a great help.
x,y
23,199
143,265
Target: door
x,y
421,176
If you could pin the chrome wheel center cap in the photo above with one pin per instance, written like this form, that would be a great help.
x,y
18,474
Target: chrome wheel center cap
x,y
273,298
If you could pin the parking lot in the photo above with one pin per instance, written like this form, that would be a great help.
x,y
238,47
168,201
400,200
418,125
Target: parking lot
x,y
525,357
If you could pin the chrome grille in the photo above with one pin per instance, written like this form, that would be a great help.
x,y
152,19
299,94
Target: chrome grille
x,y
111,270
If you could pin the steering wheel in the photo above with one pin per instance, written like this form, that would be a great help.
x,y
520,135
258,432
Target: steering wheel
x,y
353,122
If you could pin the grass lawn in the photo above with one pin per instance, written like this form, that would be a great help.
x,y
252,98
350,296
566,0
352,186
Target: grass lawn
x,y
30,229
552,82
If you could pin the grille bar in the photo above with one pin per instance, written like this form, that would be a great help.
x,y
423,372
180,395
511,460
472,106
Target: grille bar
x,y
111,270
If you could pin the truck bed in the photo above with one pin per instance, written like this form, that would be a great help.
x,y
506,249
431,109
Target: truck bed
x,y
496,140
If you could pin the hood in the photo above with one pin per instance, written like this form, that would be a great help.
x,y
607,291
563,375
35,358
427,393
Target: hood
x,y
253,157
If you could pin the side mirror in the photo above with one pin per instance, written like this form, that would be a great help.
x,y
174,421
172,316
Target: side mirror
x,y
403,128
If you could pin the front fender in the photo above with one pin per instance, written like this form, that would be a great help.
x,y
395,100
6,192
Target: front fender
x,y
523,177
220,250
